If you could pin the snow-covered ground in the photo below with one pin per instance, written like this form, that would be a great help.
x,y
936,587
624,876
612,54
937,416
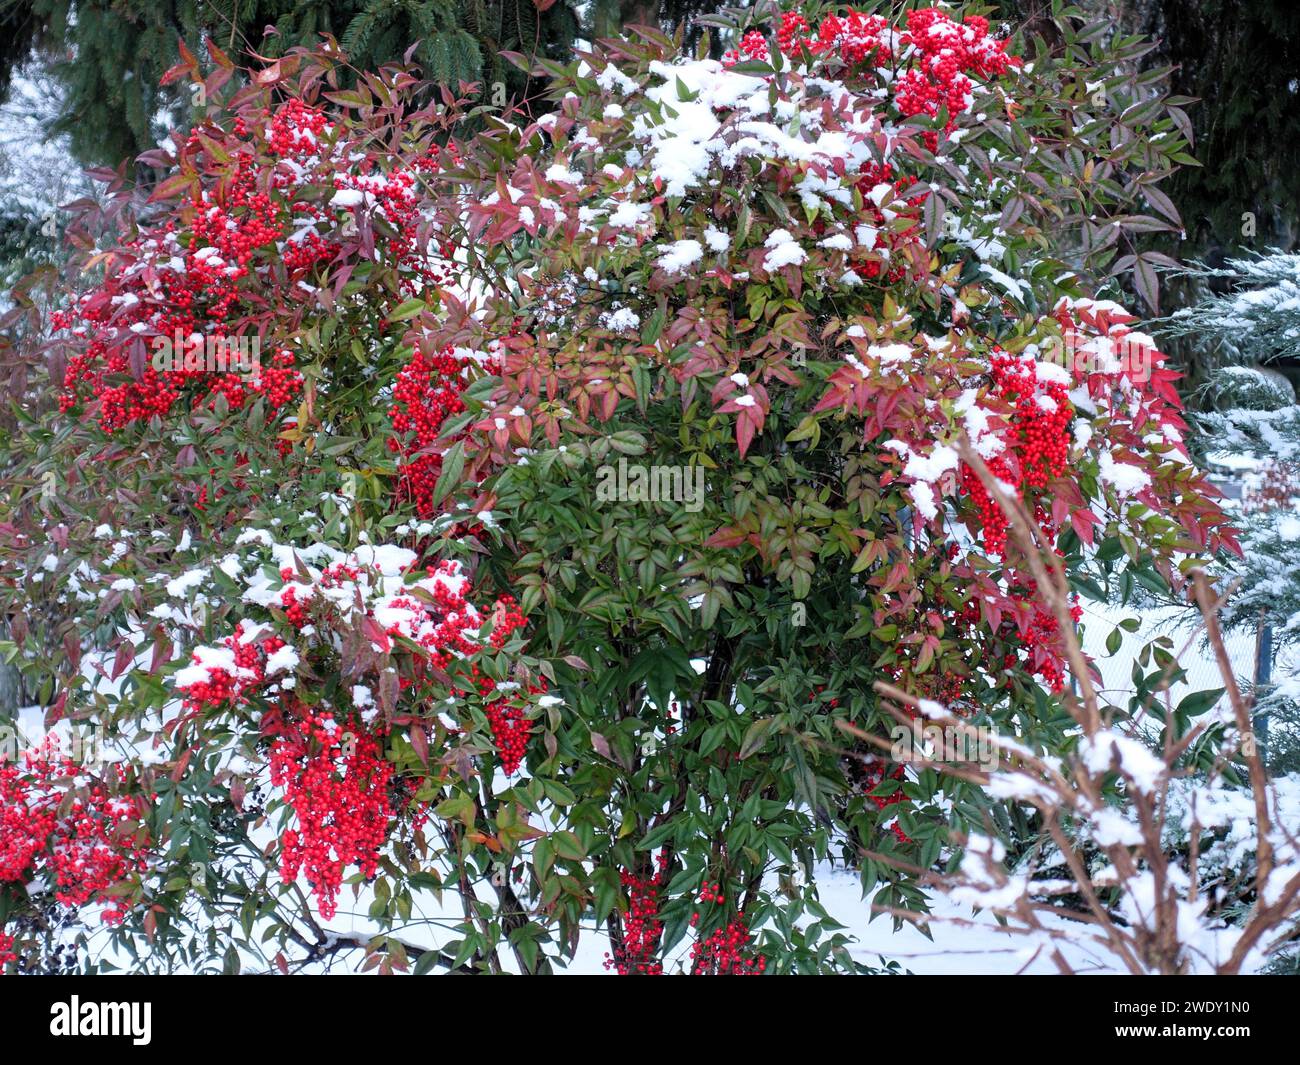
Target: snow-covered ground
x,y
959,940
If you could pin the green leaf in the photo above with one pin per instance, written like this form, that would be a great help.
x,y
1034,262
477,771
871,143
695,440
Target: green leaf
x,y
654,325
756,736
1199,702
567,846
406,310
453,465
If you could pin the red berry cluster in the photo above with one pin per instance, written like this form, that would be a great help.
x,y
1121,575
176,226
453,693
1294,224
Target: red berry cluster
x,y
434,613
1025,625
294,608
854,38
507,715
27,820
336,780
339,573
253,231
95,845
753,45
949,53
727,951
509,733
395,199
296,129
1037,442
892,234
1038,633
88,837
194,288
279,382
222,685
427,392
640,927
787,34
946,54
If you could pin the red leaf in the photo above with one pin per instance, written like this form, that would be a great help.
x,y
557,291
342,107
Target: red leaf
x,y
269,76
1083,521
218,56
744,434
729,536
376,634
420,743
174,73
124,657
187,57
71,648
173,186
162,651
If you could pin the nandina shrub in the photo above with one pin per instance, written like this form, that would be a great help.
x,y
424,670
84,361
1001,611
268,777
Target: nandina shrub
x,y
817,276
816,273
300,728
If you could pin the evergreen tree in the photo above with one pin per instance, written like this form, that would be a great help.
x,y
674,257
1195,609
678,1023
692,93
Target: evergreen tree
x,y
1249,336
110,56
1241,62
19,31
